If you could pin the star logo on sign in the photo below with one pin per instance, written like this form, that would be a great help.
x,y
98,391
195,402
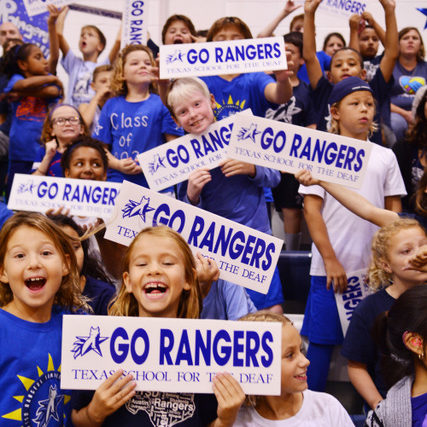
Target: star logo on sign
x,y
134,208
423,11
248,133
92,342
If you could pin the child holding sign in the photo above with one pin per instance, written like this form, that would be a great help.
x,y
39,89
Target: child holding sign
x,y
295,406
235,189
402,333
135,120
159,280
337,248
39,282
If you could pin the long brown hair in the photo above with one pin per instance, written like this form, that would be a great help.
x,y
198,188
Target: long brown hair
x,y
69,294
125,304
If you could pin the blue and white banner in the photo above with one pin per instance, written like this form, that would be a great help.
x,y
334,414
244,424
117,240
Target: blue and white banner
x,y
32,28
170,355
171,163
82,197
244,256
289,148
134,22
357,289
35,7
231,57
343,7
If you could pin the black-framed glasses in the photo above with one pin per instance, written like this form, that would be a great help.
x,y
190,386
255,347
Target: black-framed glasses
x,y
60,121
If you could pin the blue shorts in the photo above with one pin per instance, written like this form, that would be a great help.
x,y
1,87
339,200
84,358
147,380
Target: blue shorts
x,y
321,320
273,297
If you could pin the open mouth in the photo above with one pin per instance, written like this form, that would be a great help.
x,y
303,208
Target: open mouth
x,y
302,377
155,289
178,41
35,283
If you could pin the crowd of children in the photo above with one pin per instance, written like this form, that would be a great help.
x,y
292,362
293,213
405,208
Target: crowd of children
x,y
52,264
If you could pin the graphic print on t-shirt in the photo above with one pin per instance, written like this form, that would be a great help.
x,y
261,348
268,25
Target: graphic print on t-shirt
x,y
163,409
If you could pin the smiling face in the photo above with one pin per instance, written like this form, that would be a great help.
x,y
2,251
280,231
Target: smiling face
x,y
294,363
402,246
355,114
137,68
178,33
156,276
33,267
86,163
195,112
66,124
345,63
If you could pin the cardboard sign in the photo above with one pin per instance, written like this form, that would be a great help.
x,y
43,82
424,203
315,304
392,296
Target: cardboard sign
x,y
231,57
171,163
35,7
289,148
343,7
135,20
357,289
170,355
83,197
244,256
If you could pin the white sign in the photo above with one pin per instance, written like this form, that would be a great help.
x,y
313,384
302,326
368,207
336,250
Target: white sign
x,y
343,7
289,148
134,23
173,162
82,197
35,7
244,256
357,289
170,355
231,57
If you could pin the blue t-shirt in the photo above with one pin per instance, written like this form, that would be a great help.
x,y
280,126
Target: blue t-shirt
x,y
406,84
226,301
419,410
54,166
380,89
324,61
30,366
131,128
244,91
28,114
360,331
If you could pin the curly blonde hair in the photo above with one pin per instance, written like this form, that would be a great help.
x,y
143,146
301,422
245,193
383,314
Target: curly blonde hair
x,y
190,304
69,294
118,83
377,276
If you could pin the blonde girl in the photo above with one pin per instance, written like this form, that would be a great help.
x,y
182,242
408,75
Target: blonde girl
x,y
295,406
135,120
39,282
159,280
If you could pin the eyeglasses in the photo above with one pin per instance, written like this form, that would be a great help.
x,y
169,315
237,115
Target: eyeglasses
x,y
60,121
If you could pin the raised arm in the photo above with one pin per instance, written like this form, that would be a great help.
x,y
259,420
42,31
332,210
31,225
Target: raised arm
x,y
368,17
116,46
314,70
354,22
268,31
53,37
63,44
353,201
391,45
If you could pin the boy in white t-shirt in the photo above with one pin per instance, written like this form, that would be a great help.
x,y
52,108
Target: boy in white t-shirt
x,y
91,44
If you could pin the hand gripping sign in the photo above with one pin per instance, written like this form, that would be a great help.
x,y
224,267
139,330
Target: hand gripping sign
x,y
213,58
171,163
82,197
289,148
170,355
244,256
35,7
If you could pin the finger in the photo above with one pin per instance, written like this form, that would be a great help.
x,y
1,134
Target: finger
x,y
328,282
111,379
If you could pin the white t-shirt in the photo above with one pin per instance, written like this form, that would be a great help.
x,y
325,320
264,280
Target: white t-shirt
x,y
317,410
350,235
